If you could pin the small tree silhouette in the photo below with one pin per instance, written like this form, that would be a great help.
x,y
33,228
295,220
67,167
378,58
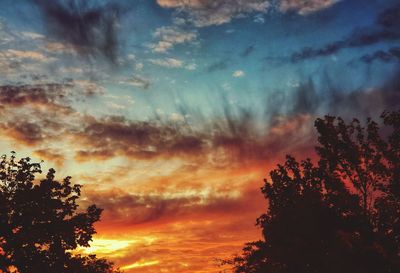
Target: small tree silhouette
x,y
341,215
40,224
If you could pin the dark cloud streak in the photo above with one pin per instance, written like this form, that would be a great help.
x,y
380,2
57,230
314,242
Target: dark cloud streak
x,y
247,51
19,95
386,28
134,208
392,55
89,26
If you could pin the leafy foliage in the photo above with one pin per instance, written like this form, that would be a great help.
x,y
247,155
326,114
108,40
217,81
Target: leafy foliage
x,y
341,215
40,223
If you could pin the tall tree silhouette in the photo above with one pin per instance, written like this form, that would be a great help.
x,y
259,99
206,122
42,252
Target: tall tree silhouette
x,y
340,215
40,223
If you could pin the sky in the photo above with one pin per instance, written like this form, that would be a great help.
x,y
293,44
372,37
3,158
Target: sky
x,y
172,112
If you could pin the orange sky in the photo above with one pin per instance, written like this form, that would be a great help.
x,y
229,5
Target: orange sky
x,y
182,230
183,213
180,209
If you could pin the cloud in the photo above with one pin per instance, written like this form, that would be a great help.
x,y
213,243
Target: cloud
x,y
367,104
392,55
215,12
137,81
259,19
33,35
48,95
40,94
19,54
52,155
37,113
203,13
109,136
130,208
168,37
164,228
191,66
17,65
359,38
226,141
306,99
247,51
57,47
173,63
235,137
27,133
167,62
305,7
87,25
238,74
22,130
387,28
389,18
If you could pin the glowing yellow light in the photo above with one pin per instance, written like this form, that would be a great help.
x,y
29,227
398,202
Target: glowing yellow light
x,y
107,246
140,264
115,247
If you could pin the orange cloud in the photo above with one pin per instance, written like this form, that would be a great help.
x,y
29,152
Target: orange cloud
x,y
52,155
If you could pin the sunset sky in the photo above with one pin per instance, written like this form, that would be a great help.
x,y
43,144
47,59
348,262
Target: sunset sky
x,y
171,112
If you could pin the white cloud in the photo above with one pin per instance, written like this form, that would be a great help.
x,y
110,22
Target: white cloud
x,y
238,74
32,35
191,67
177,117
131,57
115,106
16,55
170,36
259,19
215,12
167,62
173,63
139,66
305,7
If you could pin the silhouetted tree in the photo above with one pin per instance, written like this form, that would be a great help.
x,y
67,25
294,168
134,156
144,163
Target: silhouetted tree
x,y
341,215
40,223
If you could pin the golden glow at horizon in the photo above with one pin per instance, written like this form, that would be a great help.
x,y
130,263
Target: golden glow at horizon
x,y
114,247
140,264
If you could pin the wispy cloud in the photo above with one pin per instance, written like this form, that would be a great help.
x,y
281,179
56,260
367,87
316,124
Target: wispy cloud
x,y
167,62
238,74
137,81
52,155
391,55
305,7
91,27
169,37
173,63
210,12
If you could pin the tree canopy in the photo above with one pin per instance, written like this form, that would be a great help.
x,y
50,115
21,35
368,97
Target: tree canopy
x,y
341,214
41,223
